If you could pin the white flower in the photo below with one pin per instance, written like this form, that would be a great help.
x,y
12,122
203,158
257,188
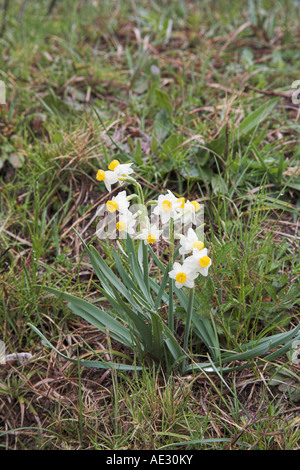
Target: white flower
x,y
120,169
118,203
187,211
189,242
166,206
199,261
184,276
126,223
115,171
108,177
150,234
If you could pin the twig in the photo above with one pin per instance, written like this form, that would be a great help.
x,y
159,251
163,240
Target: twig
x,y
269,92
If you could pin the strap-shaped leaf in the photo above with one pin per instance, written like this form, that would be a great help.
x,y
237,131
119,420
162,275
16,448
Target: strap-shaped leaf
x,y
136,269
94,364
161,294
275,340
279,352
262,347
128,281
131,286
173,346
205,331
99,263
158,263
96,316
256,351
143,329
157,336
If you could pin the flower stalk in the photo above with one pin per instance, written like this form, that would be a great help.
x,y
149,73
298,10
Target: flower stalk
x,y
171,281
188,321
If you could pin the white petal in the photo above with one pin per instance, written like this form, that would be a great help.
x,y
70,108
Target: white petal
x,y
192,236
178,284
110,178
123,169
203,271
177,267
189,283
165,217
172,274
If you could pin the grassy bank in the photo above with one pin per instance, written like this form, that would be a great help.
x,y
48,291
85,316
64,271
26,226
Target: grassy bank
x,y
199,98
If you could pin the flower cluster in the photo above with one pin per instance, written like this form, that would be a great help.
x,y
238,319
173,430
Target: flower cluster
x,y
197,263
126,220
168,208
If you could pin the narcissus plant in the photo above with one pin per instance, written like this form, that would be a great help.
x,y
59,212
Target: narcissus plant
x,y
143,306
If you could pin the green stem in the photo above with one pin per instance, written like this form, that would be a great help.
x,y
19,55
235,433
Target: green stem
x,y
171,306
188,320
146,265
171,281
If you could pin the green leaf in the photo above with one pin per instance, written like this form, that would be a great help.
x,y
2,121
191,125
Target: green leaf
x,y
92,364
102,269
162,124
205,331
137,272
127,280
158,263
161,292
137,319
257,117
174,348
95,316
163,101
157,336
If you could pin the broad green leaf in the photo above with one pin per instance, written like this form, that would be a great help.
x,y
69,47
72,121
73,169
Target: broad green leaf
x,y
249,354
127,280
95,316
173,346
163,101
279,338
138,321
99,264
202,326
137,272
157,336
257,117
